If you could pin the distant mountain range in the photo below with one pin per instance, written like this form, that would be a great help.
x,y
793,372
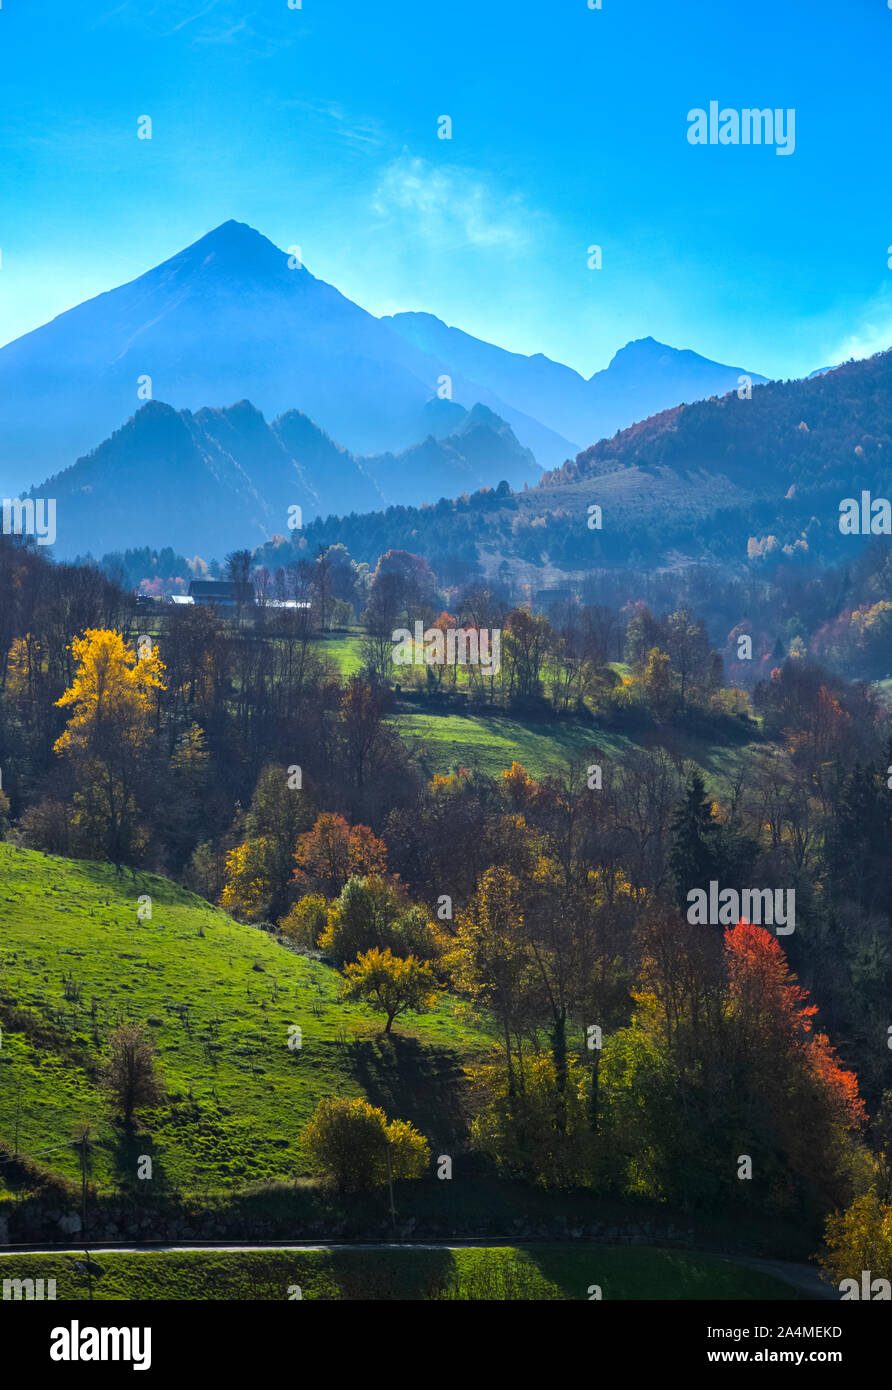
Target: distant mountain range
x,y
217,480
642,379
727,481
365,413
227,319
233,318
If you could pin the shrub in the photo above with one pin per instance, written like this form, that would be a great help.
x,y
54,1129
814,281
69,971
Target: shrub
x,y
372,913
306,920
348,1140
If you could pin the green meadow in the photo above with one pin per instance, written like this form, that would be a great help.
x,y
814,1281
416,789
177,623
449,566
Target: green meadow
x,y
490,743
219,998
503,1273
440,743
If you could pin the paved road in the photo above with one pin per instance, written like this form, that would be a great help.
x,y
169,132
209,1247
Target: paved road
x,y
803,1277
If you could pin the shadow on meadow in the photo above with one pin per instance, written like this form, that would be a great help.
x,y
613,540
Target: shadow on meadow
x,y
390,1275
410,1081
129,1150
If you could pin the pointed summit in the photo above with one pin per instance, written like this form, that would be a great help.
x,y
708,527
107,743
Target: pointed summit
x,y
233,249
230,317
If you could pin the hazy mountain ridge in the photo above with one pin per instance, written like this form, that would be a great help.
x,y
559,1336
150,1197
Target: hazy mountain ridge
x,y
694,484
219,479
642,378
802,430
232,317
228,318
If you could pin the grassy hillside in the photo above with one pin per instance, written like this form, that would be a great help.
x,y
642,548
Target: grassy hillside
x,y
219,998
549,1272
490,743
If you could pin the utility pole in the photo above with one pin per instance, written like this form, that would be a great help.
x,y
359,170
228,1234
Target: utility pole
x,y
84,1207
84,1183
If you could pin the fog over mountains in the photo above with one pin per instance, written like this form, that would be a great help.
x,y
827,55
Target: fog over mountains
x,y
231,334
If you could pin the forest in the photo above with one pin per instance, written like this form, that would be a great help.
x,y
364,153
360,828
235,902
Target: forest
x,y
629,1053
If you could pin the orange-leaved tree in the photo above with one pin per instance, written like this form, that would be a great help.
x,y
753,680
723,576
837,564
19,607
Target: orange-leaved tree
x,y
334,851
811,1097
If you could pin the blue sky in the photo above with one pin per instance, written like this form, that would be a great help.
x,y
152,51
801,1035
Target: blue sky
x,y
319,127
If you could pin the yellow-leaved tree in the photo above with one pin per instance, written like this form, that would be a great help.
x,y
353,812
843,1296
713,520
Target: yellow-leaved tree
x,y
391,984
108,738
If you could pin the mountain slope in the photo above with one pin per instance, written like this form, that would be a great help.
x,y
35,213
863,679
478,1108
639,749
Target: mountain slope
x,y
643,378
168,477
217,480
482,452
226,319
727,482
192,974
832,427
340,481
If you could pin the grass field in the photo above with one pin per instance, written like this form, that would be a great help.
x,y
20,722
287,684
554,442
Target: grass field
x,y
490,743
549,1272
219,998
343,647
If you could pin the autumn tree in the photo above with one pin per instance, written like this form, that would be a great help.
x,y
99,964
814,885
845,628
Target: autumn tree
x,y
688,647
656,682
306,920
380,620
788,1069
526,645
250,879
859,1239
366,739
490,961
722,1060
281,811
109,736
334,851
390,984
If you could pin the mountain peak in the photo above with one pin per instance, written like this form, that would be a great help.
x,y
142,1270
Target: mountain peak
x,y
236,249
231,233
640,349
